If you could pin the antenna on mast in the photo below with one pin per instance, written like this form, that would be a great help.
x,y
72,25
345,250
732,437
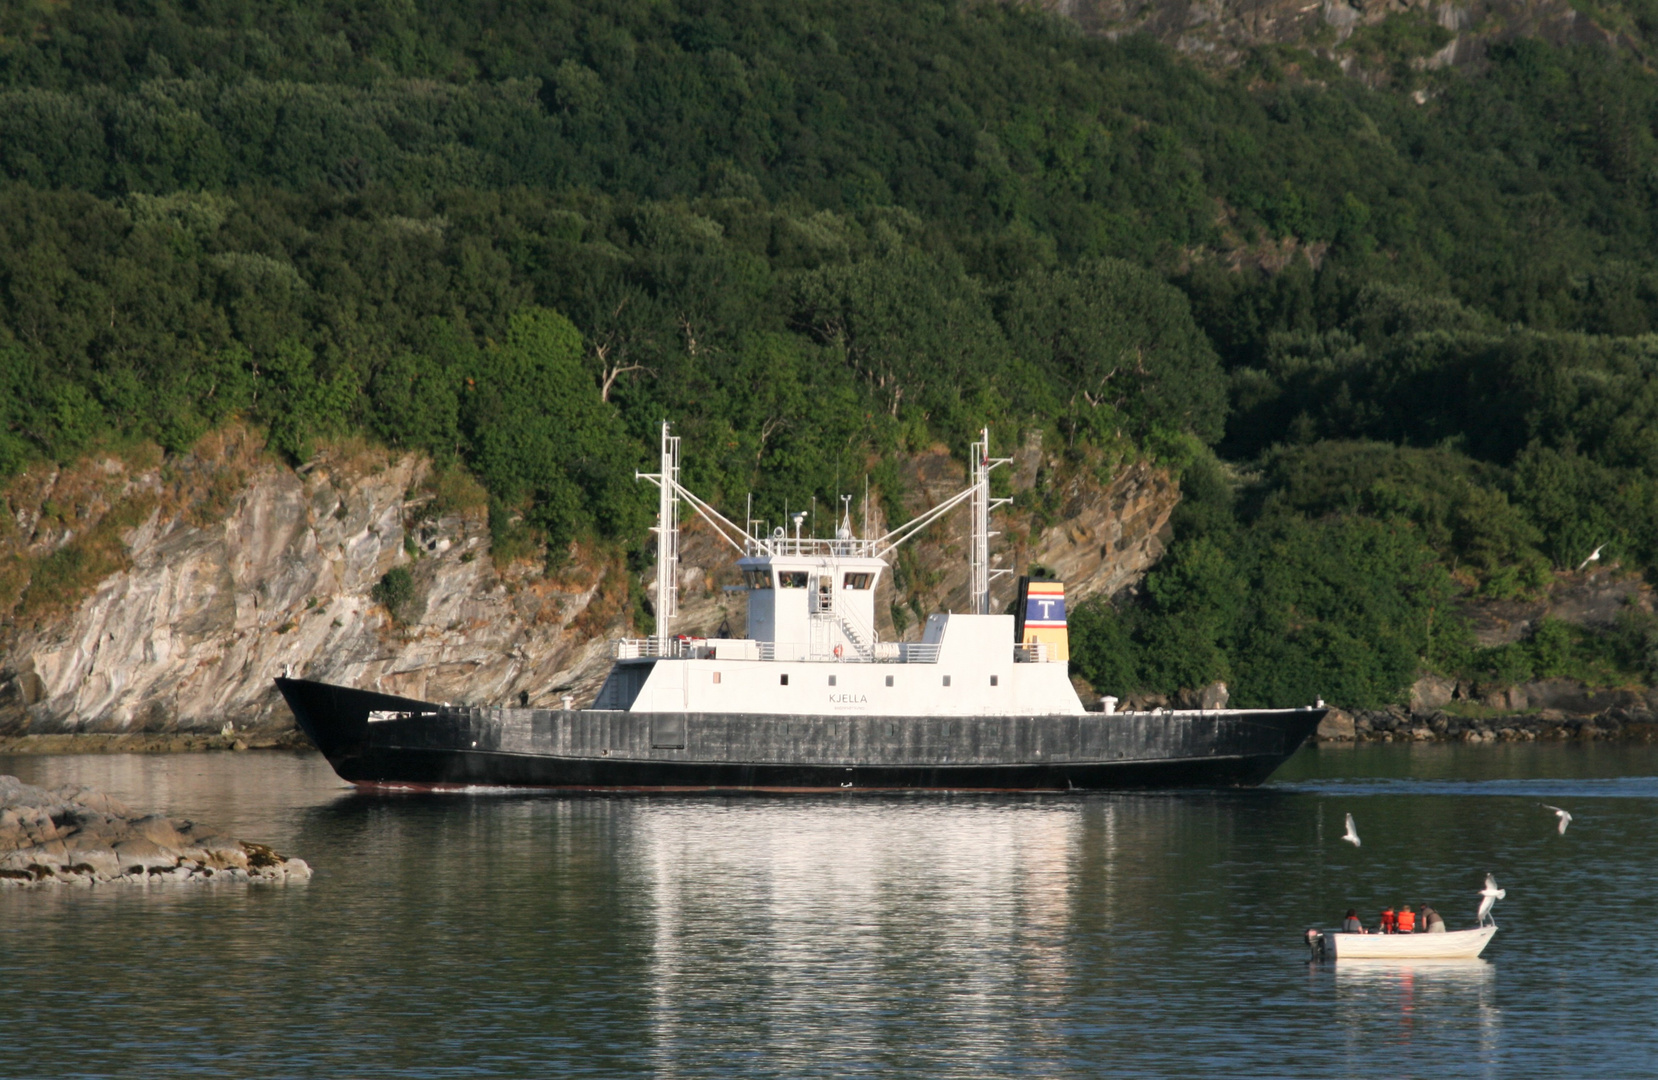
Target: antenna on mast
x,y
866,509
980,573
667,536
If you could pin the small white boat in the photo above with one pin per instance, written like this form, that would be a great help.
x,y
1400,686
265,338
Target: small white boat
x,y
1451,945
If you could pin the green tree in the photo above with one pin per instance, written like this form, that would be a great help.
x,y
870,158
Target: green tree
x,y
1118,338
299,403
918,332
540,435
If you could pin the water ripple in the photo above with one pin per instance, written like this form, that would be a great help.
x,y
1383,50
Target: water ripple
x,y
1140,935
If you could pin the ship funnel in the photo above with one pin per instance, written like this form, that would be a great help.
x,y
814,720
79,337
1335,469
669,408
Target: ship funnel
x,y
1039,617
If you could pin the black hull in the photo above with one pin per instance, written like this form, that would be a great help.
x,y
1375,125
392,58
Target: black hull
x,y
415,744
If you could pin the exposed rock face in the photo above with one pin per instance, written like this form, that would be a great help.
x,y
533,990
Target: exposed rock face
x,y
1595,600
1431,692
1207,698
1108,538
1592,599
1337,726
205,576
78,836
245,569
1221,32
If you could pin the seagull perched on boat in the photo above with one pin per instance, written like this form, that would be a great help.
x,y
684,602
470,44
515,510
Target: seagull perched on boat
x,y
1565,818
1352,836
1490,895
1594,556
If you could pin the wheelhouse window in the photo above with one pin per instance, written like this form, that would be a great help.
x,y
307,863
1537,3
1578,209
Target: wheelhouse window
x,y
856,581
791,579
757,579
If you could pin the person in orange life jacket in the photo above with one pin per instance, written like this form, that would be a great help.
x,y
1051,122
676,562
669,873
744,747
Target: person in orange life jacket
x,y
1390,921
1351,924
1405,921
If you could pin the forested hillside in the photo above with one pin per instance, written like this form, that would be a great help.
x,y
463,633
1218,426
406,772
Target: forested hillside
x,y
1396,345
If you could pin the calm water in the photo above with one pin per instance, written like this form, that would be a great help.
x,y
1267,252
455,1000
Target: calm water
x,y
1145,935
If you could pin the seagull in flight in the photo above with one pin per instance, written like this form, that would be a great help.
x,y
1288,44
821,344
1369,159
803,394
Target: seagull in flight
x,y
1565,817
1352,836
1594,556
1490,895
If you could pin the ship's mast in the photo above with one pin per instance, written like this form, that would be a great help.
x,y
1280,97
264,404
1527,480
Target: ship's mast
x,y
667,537
977,494
980,573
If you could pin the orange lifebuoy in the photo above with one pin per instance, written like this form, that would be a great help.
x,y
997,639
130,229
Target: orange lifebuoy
x,y
837,652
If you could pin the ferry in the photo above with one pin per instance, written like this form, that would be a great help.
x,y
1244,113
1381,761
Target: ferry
x,y
811,698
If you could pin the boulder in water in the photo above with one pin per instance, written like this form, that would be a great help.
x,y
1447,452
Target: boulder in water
x,y
80,836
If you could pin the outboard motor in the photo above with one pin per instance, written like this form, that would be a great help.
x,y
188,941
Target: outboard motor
x,y
1315,944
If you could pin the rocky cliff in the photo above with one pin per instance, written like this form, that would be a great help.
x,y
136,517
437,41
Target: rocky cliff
x,y
1593,599
164,596
142,595
1220,33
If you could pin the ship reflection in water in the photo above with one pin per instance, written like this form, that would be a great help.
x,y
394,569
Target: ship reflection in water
x,y
967,906
962,936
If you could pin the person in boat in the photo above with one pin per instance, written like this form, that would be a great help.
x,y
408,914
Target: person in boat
x,y
1390,922
1430,920
1405,921
1351,924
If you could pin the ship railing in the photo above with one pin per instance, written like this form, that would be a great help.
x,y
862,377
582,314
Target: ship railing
x,y
681,648
686,648
1036,652
880,652
642,648
807,547
782,650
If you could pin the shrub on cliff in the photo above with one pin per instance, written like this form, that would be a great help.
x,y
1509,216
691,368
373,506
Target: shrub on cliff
x,y
395,592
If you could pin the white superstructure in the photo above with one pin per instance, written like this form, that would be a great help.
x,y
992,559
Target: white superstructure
x,y
811,646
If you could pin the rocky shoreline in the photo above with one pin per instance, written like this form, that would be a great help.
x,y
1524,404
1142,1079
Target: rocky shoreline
x,y
80,836
135,742
1398,724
